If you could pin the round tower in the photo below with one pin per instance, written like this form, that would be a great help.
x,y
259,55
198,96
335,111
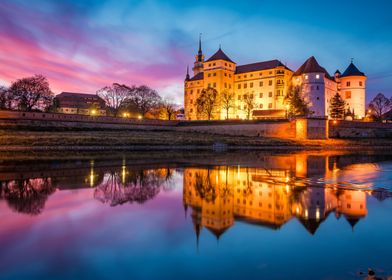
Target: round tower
x,y
310,76
353,90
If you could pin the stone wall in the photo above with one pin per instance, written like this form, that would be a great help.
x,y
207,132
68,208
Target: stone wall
x,y
355,129
281,129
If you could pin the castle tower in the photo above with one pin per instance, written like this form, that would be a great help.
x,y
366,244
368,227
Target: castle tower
x,y
311,77
198,65
353,89
219,72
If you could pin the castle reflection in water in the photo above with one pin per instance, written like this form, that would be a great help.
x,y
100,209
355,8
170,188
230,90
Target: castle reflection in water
x,y
268,191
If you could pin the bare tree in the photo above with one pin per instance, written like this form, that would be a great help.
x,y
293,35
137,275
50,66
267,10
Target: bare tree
x,y
5,99
143,98
169,108
31,93
379,106
249,105
115,96
207,102
227,102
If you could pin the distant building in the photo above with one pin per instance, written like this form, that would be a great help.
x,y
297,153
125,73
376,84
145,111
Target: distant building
x,y
80,103
268,82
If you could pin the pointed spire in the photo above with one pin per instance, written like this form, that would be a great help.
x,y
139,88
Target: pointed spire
x,y
187,77
200,52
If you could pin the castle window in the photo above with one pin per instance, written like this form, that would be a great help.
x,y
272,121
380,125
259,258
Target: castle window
x,y
360,84
229,75
261,106
261,84
245,85
214,74
209,65
239,107
251,75
348,94
270,106
191,110
251,96
270,82
270,94
306,77
239,97
317,76
261,74
198,91
251,85
245,96
191,91
225,74
245,76
209,74
229,86
214,84
348,84
261,95
225,64
318,98
225,85
213,64
317,87
270,72
239,86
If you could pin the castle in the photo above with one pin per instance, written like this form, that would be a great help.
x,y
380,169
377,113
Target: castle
x,y
267,84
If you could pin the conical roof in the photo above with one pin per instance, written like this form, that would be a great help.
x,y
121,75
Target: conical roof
x,y
352,70
311,66
219,55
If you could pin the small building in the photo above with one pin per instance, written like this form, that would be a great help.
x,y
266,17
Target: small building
x,y
80,103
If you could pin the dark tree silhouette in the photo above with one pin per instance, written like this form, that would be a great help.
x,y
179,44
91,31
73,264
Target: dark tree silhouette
x,y
206,103
204,187
227,102
143,98
379,106
5,99
249,105
27,196
31,93
115,97
337,107
168,108
140,186
297,104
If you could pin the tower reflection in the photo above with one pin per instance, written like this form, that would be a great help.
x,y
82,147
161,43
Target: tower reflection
x,y
270,196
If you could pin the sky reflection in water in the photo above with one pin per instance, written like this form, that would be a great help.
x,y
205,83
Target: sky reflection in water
x,y
281,217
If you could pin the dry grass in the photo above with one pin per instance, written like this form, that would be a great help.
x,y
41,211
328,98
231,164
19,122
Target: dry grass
x,y
23,138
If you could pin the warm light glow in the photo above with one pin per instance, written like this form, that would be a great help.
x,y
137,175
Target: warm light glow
x,y
335,122
140,117
317,76
125,115
287,106
93,112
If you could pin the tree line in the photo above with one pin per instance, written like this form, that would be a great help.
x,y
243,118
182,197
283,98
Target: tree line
x,y
34,94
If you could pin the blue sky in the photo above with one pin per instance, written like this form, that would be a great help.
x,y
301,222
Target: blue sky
x,y
85,45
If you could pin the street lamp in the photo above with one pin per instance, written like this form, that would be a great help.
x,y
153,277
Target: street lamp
x,y
93,112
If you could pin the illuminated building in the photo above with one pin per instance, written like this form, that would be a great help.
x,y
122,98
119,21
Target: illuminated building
x,y
80,103
267,83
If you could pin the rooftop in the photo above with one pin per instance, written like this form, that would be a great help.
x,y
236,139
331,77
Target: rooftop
x,y
352,70
259,66
219,55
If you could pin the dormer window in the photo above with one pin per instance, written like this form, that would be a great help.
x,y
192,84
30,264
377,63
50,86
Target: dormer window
x,y
317,76
306,77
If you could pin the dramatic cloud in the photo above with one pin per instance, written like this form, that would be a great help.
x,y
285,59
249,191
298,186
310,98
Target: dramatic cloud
x,y
86,45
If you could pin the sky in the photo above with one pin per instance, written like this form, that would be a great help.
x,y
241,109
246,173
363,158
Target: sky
x,y
84,45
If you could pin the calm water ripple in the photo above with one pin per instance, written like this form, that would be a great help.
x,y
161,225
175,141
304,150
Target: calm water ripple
x,y
233,216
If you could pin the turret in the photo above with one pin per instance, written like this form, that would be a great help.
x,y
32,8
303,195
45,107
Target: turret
x,y
198,65
310,76
353,90
187,77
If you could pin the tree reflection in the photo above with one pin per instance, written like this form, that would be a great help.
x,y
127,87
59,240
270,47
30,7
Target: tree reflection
x,y
204,186
27,196
119,187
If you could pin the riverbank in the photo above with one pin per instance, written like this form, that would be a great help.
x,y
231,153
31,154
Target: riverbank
x,y
137,140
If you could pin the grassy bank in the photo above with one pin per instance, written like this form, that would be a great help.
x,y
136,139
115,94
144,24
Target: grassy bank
x,y
12,140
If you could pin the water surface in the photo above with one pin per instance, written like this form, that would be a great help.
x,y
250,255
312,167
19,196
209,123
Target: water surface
x,y
233,216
